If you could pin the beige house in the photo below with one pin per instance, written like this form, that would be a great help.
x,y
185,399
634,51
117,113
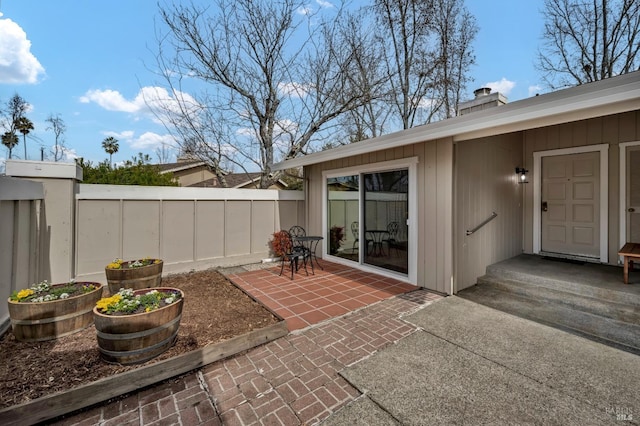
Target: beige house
x,y
556,175
196,173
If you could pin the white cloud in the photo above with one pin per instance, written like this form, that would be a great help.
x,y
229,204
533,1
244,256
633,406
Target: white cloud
x,y
305,10
17,64
149,101
294,90
68,154
125,135
535,90
503,86
325,4
111,100
150,140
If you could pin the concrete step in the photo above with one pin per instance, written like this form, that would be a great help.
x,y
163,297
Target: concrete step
x,y
546,310
620,311
584,280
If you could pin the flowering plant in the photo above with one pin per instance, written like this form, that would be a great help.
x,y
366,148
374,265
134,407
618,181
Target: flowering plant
x,y
120,264
126,301
45,292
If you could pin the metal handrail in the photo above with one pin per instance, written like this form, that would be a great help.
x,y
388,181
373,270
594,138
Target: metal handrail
x,y
487,220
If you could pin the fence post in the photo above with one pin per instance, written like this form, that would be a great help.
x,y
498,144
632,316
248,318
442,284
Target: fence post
x,y
56,241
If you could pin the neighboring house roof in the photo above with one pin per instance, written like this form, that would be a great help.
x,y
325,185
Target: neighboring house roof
x,y
179,166
610,96
235,180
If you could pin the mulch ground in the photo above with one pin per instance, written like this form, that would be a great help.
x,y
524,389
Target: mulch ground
x,y
214,310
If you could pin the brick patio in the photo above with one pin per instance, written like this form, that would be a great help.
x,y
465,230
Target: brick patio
x,y
310,299
291,381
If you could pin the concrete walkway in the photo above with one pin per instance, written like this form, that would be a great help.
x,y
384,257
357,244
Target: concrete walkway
x,y
469,364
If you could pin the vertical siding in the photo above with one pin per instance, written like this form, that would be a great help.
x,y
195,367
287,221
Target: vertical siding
x,y
486,183
434,197
612,130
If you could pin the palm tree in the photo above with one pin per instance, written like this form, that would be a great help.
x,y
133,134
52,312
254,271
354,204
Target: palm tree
x,y
9,140
24,126
110,145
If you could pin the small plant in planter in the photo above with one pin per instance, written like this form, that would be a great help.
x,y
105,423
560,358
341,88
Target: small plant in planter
x,y
134,274
45,292
120,264
127,302
48,311
336,237
134,326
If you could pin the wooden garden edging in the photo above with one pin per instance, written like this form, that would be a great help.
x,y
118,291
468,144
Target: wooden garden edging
x,y
53,406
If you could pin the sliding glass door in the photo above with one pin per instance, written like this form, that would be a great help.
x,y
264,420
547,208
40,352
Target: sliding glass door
x,y
386,212
368,217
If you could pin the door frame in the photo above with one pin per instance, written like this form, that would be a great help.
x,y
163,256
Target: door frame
x,y
623,192
604,199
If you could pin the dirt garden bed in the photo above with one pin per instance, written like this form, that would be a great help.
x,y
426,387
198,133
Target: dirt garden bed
x,y
215,312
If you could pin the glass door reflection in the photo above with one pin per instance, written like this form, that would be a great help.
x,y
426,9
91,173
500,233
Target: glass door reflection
x,y
385,236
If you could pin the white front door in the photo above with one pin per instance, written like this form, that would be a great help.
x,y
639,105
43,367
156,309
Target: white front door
x,y
633,194
571,204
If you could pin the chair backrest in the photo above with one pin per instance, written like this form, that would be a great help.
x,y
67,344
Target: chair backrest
x,y
355,228
392,228
297,231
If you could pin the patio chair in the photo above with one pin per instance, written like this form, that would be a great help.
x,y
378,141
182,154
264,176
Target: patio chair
x,y
298,231
391,239
355,230
293,255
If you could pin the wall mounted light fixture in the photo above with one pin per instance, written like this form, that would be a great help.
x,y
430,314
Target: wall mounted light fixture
x,y
522,174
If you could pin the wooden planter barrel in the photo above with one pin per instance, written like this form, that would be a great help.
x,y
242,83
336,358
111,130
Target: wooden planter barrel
x,y
134,278
132,339
39,321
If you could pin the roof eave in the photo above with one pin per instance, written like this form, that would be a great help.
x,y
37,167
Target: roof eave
x,y
610,96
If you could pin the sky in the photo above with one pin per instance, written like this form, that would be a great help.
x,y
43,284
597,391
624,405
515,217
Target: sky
x,y
89,63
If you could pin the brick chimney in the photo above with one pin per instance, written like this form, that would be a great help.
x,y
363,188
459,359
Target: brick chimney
x,y
483,99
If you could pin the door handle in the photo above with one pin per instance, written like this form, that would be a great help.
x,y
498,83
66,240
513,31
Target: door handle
x,y
545,206
631,210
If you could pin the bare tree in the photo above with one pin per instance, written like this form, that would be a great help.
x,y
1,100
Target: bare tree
x,y
367,73
428,53
455,29
274,89
586,41
163,153
57,125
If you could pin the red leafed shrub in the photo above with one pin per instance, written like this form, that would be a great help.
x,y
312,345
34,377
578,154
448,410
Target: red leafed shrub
x,y
280,242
